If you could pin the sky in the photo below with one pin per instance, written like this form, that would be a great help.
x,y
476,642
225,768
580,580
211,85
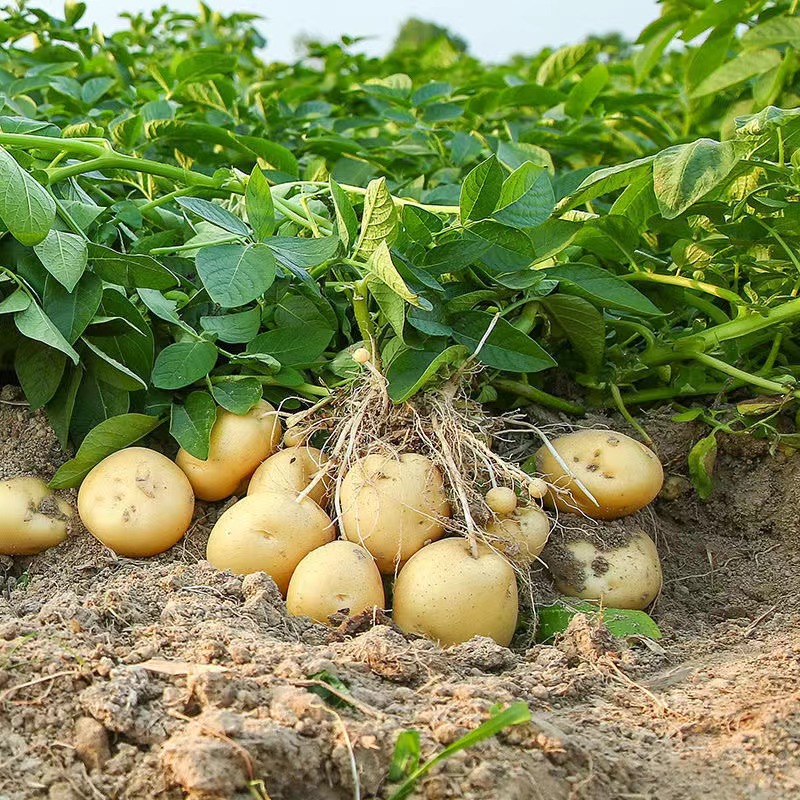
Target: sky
x,y
494,30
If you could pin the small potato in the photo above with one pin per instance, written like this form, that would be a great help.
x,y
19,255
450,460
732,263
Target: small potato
x,y
626,575
339,576
446,594
393,506
32,518
238,445
523,534
501,500
137,502
269,532
292,470
622,474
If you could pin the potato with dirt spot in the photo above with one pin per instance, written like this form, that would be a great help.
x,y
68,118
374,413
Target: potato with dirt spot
x,y
624,573
268,532
137,502
292,470
339,576
620,473
521,535
446,594
393,506
32,518
239,443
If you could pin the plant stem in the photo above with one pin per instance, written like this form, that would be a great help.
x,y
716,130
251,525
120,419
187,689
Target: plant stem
x,y
686,283
527,319
739,374
360,303
620,404
182,248
527,392
53,144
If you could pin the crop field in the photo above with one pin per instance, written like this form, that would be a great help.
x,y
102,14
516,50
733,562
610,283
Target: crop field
x,y
402,427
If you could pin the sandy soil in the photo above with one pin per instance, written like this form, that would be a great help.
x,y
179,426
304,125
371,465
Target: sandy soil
x,y
165,679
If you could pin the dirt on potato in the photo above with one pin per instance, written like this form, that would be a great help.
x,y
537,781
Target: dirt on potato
x,y
163,678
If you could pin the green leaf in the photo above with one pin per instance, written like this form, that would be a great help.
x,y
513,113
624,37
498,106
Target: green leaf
x,y
413,370
190,424
481,190
405,757
742,68
114,370
131,271
238,328
515,154
582,324
586,90
237,396
215,214
620,622
26,208
382,267
64,256
645,59
778,30
108,437
35,324
235,274
95,402
379,222
183,363
288,348
18,300
606,180
346,220
527,198
391,305
421,225
297,311
505,348
259,205
702,458
686,172
39,370
301,254
507,249
601,287
163,308
61,407
71,312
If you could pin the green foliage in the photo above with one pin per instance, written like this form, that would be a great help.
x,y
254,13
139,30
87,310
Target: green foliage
x,y
623,623
182,224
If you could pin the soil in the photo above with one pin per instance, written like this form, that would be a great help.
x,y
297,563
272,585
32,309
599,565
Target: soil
x,y
163,678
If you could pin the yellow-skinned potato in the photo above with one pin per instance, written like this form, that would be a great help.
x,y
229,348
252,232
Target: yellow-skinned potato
x,y
393,506
624,575
268,532
523,534
621,474
337,576
292,470
238,445
137,502
447,595
32,518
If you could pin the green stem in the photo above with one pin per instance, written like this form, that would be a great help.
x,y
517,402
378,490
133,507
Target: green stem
x,y
706,307
620,404
360,303
739,374
527,392
655,395
54,144
527,319
686,283
182,248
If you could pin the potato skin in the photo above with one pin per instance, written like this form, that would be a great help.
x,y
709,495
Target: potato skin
x,y
627,576
339,575
447,595
291,470
622,474
238,445
268,532
523,534
137,502
392,506
32,518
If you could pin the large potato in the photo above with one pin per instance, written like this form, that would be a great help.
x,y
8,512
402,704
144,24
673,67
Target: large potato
x,y
393,506
32,518
622,474
522,535
622,574
239,443
339,576
292,470
269,532
446,594
137,502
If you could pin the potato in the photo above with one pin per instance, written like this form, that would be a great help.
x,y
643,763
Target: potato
x,y
622,474
339,576
501,500
238,445
32,518
624,574
137,502
523,534
291,470
269,532
393,506
447,595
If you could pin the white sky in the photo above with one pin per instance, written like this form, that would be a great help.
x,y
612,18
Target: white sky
x,y
494,29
